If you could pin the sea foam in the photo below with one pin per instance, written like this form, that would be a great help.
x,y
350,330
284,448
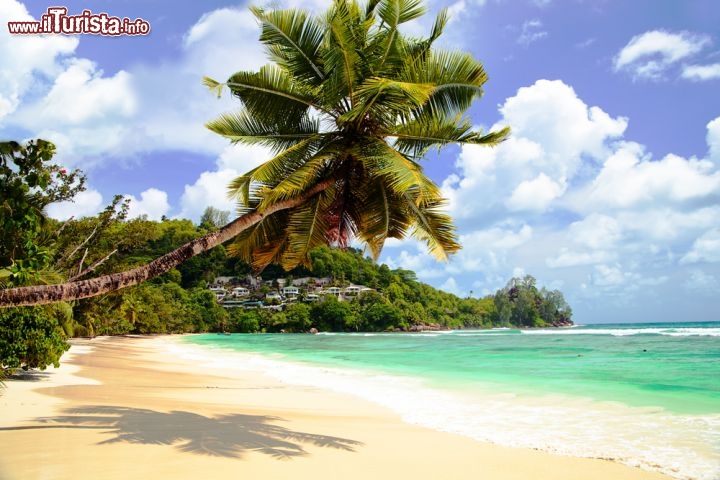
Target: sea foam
x,y
682,446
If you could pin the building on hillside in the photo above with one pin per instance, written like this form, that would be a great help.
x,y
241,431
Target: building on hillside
x,y
290,291
219,291
352,290
333,291
240,292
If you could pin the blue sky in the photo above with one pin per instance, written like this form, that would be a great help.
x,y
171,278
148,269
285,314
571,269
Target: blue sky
x,y
609,188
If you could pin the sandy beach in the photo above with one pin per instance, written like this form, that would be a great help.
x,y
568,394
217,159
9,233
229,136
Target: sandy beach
x,y
126,407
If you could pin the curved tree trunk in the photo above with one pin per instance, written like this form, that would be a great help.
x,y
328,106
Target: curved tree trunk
x,y
43,294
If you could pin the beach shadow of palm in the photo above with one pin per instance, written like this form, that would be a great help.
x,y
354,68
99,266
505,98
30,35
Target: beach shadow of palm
x,y
225,436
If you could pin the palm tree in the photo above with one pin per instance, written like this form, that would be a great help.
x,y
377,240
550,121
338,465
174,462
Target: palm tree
x,y
348,106
351,101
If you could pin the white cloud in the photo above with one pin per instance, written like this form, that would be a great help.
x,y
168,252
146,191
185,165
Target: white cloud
x,y
569,258
705,249
531,32
595,240
93,117
551,114
451,286
570,201
535,194
153,203
85,204
630,179
701,72
553,131
27,59
80,94
651,54
84,113
713,139
668,223
220,35
211,187
608,275
596,231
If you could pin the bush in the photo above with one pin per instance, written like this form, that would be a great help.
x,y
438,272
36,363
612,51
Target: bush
x,y
30,337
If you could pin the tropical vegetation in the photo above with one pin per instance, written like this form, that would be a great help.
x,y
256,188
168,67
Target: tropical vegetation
x,y
349,106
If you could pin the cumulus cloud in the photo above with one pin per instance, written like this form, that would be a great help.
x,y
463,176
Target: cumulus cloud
x,y
153,204
630,179
535,194
568,199
211,187
554,132
26,59
650,55
84,112
705,249
81,94
93,117
85,204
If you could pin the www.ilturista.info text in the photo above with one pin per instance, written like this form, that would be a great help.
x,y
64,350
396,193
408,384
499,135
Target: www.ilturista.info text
x,y
57,21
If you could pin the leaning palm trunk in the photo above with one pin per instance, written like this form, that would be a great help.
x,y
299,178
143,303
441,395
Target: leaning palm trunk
x,y
44,294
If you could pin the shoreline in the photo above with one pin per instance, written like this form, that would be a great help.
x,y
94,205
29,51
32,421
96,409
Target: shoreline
x,y
125,407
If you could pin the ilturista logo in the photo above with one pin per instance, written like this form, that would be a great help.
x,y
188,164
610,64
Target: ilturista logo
x,y
57,21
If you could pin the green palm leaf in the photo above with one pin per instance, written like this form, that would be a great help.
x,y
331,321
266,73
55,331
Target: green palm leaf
x,y
293,41
349,106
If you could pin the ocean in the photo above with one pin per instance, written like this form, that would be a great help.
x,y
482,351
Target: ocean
x,y
647,395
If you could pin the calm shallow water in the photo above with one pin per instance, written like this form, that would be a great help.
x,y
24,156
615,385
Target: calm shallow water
x,y
644,394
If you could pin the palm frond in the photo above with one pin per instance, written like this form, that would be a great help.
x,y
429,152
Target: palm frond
x,y
429,131
293,40
393,13
381,217
433,227
341,56
243,127
307,228
400,173
299,181
457,76
289,160
271,92
396,12
213,85
263,243
389,98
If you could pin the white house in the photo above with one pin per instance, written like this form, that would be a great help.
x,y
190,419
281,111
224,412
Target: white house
x,y
333,291
290,291
273,296
240,292
352,290
218,291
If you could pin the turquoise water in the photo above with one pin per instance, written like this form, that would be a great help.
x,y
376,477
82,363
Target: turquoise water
x,y
644,394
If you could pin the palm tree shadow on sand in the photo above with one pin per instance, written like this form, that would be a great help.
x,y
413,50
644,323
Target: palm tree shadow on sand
x,y
230,435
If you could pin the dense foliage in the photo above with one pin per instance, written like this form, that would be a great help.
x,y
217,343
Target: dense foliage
x,y
36,248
